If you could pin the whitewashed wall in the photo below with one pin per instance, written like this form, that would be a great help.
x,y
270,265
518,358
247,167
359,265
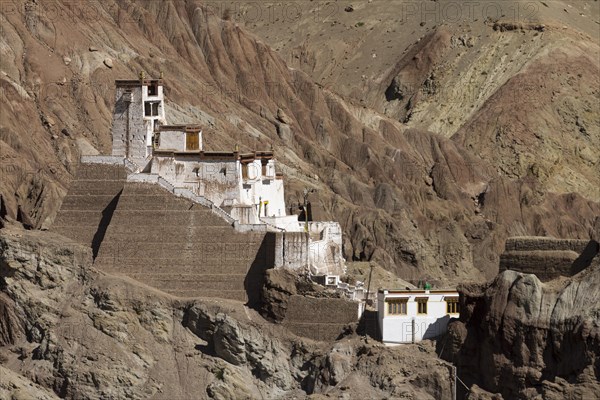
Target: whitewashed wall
x,y
258,188
399,328
215,180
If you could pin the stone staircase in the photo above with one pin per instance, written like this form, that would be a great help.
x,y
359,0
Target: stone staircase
x,y
182,247
86,211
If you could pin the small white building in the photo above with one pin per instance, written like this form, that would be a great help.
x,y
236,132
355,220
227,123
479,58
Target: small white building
x,y
411,315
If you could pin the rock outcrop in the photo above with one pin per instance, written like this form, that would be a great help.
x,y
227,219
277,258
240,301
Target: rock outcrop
x,y
523,338
70,331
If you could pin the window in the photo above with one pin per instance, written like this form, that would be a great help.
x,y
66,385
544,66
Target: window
x,y
192,141
421,305
397,306
452,306
128,96
264,167
151,109
245,171
153,89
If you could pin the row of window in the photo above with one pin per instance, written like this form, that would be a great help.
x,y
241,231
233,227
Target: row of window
x,y
399,306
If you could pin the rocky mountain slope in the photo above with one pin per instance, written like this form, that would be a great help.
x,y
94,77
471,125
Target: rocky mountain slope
x,y
421,204
71,331
516,82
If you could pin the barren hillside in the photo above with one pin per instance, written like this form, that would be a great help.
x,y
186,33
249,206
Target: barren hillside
x,y
424,196
517,80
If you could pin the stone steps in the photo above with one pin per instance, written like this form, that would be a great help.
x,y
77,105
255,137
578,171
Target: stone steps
x,y
207,254
194,236
86,202
95,187
168,281
160,266
154,202
160,218
83,234
89,201
181,247
162,240
77,218
238,295
100,172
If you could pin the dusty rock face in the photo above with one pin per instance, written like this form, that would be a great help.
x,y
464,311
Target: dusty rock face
x,y
523,338
279,286
70,331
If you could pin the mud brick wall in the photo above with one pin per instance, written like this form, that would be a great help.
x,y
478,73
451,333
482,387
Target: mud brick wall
x,y
182,248
540,243
87,209
547,258
321,319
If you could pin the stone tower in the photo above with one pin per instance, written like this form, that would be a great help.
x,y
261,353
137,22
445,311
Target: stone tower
x,y
139,110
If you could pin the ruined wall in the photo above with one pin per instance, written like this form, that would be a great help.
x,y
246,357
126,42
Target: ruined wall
x,y
291,250
129,127
547,258
325,250
319,318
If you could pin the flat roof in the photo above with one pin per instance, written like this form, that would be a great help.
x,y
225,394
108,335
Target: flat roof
x,y
417,291
232,155
137,82
181,127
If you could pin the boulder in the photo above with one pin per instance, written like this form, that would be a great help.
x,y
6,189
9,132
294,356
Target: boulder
x,y
282,117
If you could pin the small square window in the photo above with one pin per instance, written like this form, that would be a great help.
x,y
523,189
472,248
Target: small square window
x,y
397,306
452,305
422,305
192,141
153,89
151,109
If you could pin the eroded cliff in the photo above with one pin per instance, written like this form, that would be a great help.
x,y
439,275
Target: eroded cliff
x,y
523,338
71,331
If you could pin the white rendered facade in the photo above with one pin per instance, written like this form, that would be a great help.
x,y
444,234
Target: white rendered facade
x,y
404,319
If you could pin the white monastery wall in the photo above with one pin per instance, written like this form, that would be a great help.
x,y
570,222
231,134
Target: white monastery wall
x,y
413,326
